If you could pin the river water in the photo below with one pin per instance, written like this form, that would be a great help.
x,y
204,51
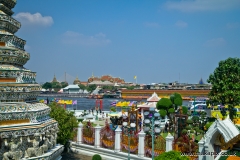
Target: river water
x,y
87,104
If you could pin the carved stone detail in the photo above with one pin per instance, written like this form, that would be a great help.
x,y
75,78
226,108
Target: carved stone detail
x,y
14,149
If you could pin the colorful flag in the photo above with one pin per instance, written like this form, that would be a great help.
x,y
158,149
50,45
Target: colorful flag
x,y
132,103
135,77
113,103
74,102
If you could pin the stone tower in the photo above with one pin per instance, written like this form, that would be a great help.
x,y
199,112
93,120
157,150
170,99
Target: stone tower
x,y
26,130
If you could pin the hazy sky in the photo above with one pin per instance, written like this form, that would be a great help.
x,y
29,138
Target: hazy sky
x,y
158,41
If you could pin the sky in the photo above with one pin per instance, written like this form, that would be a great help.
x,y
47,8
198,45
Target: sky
x,y
157,41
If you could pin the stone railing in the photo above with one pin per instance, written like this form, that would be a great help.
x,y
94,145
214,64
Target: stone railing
x,y
117,142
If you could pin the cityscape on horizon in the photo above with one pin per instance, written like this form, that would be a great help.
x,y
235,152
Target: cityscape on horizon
x,y
70,79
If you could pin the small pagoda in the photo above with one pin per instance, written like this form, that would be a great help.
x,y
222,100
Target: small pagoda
x,y
76,81
26,129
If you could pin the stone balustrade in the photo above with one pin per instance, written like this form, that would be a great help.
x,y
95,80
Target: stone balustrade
x,y
117,145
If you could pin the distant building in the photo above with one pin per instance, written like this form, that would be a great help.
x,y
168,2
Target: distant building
x,y
106,78
101,83
84,83
71,89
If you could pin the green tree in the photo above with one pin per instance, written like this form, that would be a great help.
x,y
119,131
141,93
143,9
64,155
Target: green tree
x,y
82,87
226,84
176,99
64,84
67,123
130,87
91,87
47,85
171,155
165,107
184,110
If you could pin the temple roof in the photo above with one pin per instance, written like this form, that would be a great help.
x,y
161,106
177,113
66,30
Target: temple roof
x,y
153,98
225,127
72,86
148,105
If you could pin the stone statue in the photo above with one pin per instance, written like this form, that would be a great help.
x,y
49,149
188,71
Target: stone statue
x,y
47,142
14,151
53,137
37,149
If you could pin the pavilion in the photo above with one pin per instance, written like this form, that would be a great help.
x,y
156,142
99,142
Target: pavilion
x,y
151,102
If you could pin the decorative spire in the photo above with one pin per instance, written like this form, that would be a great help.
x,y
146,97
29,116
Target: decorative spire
x,y
201,81
54,79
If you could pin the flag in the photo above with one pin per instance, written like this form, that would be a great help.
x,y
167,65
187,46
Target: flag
x,y
132,103
74,102
135,77
113,104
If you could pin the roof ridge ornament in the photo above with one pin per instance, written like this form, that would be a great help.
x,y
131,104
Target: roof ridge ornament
x,y
217,116
227,118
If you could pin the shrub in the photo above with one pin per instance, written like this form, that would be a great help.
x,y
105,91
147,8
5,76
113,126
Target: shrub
x,y
163,113
96,157
173,155
196,128
189,121
184,109
171,110
208,125
188,127
113,109
184,131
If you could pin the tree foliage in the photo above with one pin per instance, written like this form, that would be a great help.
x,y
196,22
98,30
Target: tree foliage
x,y
165,107
184,110
96,157
67,123
225,82
91,87
176,100
47,85
82,87
64,84
55,85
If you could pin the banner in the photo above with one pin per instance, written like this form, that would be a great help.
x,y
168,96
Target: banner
x,y
74,102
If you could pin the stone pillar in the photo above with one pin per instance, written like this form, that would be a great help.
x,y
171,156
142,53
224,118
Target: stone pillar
x,y
141,145
97,136
79,133
118,132
201,149
169,142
